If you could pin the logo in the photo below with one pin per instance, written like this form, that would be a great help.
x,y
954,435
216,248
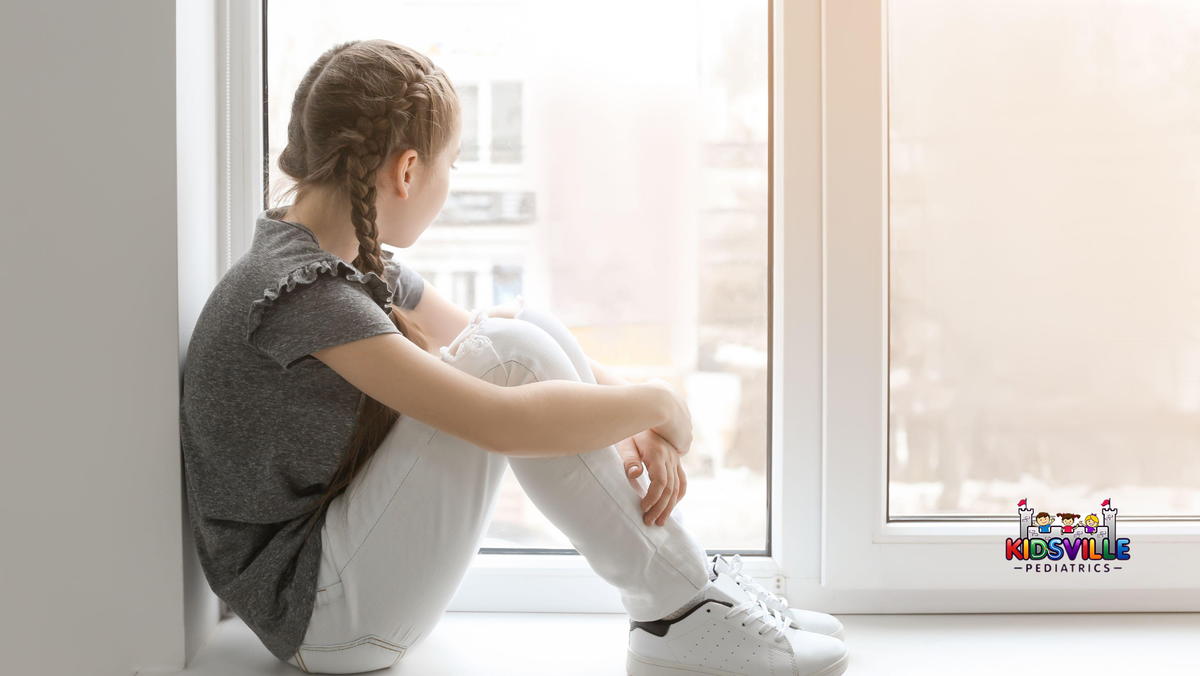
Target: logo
x,y
1087,545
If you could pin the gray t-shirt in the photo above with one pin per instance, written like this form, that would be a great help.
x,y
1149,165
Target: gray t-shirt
x,y
264,423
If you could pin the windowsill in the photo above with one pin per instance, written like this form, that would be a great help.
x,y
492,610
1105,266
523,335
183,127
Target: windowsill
x,y
593,644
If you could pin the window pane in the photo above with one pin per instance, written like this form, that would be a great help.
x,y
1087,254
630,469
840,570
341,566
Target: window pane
x,y
506,282
1045,334
468,97
506,122
631,202
462,290
487,207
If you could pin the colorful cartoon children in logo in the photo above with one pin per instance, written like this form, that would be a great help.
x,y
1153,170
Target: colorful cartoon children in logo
x,y
1044,521
1068,521
1076,540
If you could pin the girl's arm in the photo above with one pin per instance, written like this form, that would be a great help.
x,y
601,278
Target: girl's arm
x,y
441,319
546,418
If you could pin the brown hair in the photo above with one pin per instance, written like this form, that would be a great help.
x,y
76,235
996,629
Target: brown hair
x,y
1041,514
360,103
1067,515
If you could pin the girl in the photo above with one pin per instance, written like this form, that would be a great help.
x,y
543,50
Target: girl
x,y
1068,521
345,427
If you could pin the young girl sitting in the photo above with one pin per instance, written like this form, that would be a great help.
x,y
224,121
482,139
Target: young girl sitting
x,y
346,428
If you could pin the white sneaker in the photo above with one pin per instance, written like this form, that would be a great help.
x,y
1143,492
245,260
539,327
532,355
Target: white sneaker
x,y
808,620
727,634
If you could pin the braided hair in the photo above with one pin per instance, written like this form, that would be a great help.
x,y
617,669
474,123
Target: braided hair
x,y
358,104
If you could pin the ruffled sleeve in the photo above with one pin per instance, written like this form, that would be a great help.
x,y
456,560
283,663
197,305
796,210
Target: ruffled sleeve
x,y
320,304
407,284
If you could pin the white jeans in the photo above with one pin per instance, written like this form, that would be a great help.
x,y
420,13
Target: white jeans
x,y
397,542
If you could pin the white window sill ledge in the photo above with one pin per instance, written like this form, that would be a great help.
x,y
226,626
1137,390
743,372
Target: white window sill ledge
x,y
532,644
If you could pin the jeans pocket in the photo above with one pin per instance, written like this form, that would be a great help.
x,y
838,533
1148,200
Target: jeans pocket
x,y
366,653
329,579
327,593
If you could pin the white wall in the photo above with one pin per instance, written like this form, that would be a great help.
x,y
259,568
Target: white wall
x,y
90,494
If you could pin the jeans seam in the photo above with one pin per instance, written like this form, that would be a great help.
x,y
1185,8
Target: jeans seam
x,y
397,491
655,552
365,639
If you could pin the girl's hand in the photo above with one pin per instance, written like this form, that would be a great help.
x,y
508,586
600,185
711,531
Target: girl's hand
x,y
668,481
508,309
677,430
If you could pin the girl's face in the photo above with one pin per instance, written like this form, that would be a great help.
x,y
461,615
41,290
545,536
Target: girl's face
x,y
411,191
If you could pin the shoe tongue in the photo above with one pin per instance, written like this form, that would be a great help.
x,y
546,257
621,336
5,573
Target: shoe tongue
x,y
721,564
712,566
724,588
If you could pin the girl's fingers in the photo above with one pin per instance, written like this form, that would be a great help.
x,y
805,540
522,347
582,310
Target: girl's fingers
x,y
662,475
659,505
668,502
670,508
682,482
632,472
655,491
675,494
631,461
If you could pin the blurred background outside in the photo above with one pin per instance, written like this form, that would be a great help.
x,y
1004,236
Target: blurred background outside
x,y
1045,237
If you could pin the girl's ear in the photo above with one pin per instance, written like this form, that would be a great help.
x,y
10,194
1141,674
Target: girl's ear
x,y
396,172
391,174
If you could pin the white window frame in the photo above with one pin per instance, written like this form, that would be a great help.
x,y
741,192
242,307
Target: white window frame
x,y
544,582
868,564
239,89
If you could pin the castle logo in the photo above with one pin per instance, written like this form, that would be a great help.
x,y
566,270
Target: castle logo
x,y
1073,545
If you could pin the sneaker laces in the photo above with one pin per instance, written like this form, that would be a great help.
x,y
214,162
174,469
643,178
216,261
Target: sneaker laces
x,y
771,599
773,621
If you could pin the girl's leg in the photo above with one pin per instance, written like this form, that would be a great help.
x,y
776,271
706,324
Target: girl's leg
x,y
655,568
397,542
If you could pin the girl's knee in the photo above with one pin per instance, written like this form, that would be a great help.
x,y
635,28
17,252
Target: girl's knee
x,y
497,327
517,335
489,342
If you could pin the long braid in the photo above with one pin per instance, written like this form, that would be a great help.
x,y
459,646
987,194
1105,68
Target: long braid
x,y
357,105
363,158
367,145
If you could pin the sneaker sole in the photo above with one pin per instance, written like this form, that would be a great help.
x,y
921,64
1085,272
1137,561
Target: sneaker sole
x,y
637,665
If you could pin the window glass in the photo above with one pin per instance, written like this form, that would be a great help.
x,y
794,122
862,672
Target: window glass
x,y
1045,301
506,122
468,96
